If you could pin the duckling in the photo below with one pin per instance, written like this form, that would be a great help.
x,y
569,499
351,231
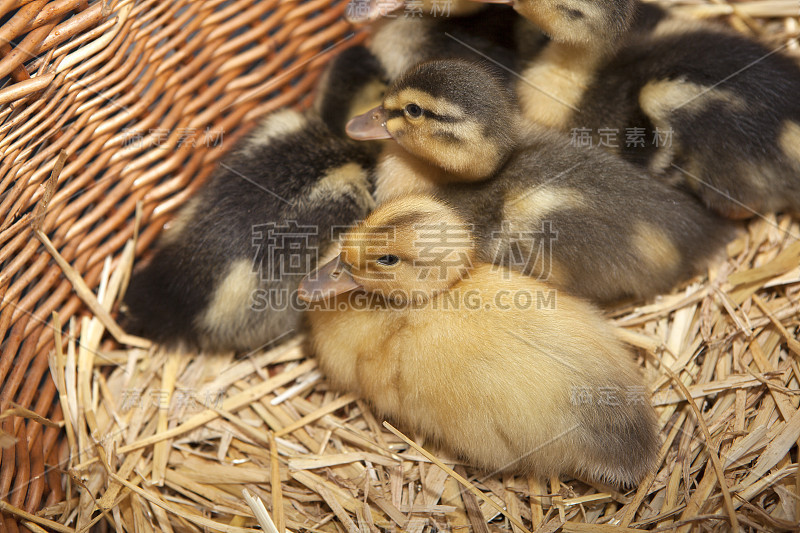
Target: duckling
x,y
697,104
225,273
595,22
581,218
400,42
496,367
353,83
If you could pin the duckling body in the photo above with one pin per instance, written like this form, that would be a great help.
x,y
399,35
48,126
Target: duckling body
x,y
483,361
224,275
581,219
693,102
588,223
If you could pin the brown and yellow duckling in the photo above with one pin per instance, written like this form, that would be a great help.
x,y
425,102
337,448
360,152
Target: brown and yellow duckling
x,y
581,218
495,367
595,22
495,32
586,22
694,102
224,275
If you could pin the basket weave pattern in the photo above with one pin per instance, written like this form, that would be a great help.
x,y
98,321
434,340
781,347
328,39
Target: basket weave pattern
x,y
143,96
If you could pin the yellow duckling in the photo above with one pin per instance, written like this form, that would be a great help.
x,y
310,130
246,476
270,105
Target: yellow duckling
x,y
495,367
582,219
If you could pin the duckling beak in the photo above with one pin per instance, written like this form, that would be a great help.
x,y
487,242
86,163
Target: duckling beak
x,y
327,281
369,126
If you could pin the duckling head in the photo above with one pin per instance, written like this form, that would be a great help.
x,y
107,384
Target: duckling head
x,y
408,250
596,22
455,114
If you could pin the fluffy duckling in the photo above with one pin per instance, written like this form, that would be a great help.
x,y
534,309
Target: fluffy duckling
x,y
225,273
694,102
400,42
353,83
595,22
494,366
581,218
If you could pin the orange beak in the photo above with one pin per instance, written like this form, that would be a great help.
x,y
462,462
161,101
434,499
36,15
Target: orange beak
x,y
329,280
369,126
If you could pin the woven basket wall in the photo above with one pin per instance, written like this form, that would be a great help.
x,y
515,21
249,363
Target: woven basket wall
x,y
144,96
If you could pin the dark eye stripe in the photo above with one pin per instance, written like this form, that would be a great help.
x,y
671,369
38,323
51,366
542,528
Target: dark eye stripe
x,y
394,113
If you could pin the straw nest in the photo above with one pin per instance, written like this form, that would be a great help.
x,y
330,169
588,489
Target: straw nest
x,y
187,442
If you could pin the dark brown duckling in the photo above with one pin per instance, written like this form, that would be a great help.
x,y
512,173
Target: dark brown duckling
x,y
694,102
495,32
224,275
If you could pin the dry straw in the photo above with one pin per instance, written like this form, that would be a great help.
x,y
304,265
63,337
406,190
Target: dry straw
x,y
99,430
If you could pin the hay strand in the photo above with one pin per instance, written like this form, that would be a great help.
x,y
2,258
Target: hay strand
x,y
467,485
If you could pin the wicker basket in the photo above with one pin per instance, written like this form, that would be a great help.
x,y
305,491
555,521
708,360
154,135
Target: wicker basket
x,y
143,96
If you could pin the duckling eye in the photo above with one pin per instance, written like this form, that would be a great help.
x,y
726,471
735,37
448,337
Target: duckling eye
x,y
413,111
388,260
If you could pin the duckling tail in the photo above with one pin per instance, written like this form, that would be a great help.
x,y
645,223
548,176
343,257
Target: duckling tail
x,y
622,442
160,306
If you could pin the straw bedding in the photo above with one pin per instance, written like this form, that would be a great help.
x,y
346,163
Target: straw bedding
x,y
103,431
